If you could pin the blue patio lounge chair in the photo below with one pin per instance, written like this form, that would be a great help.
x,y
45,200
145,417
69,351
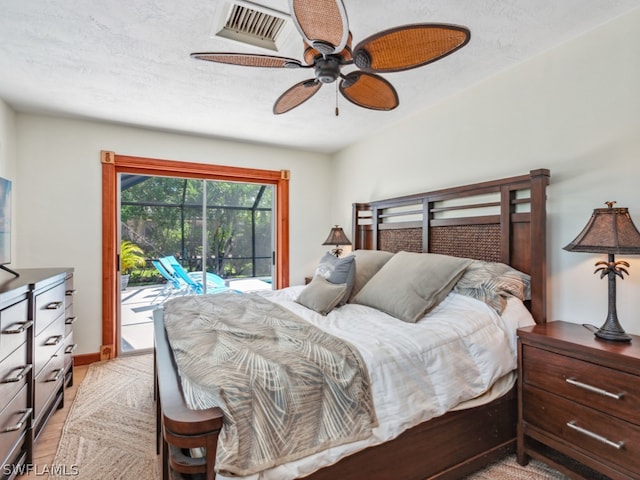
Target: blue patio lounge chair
x,y
173,285
193,280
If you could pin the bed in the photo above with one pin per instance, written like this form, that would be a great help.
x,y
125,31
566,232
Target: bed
x,y
496,221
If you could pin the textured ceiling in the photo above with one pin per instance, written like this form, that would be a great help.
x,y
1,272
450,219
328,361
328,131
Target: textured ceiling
x,y
127,61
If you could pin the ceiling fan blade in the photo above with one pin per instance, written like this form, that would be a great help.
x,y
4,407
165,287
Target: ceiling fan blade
x,y
296,95
409,46
249,59
323,24
369,91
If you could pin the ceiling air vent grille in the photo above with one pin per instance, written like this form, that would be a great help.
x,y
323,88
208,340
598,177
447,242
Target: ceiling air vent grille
x,y
254,25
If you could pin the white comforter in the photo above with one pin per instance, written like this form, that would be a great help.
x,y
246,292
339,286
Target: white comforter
x,y
418,371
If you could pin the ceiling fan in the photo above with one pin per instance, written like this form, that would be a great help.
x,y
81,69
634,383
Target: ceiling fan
x,y
324,27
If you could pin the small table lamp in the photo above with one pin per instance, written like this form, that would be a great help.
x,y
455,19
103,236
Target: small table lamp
x,y
337,237
609,230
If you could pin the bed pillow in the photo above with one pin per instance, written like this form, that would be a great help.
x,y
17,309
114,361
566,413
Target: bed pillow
x,y
367,264
321,295
411,284
493,283
337,270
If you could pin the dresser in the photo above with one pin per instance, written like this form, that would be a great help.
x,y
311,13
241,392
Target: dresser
x,y
579,401
35,336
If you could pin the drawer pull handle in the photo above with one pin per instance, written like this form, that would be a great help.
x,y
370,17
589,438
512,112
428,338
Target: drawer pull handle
x,y
70,293
26,369
593,389
595,436
21,329
51,341
70,348
69,320
25,416
54,305
56,376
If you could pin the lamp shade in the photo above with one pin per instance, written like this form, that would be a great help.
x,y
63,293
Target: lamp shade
x,y
337,237
609,230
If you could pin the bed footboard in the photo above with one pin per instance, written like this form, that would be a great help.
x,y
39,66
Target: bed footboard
x,y
444,448
178,427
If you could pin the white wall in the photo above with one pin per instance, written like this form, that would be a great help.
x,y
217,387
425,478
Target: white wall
x,y
60,215
574,110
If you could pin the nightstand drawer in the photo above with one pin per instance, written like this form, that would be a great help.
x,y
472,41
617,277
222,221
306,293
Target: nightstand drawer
x,y
605,389
610,440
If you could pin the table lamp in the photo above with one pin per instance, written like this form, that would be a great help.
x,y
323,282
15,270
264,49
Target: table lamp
x,y
609,230
337,237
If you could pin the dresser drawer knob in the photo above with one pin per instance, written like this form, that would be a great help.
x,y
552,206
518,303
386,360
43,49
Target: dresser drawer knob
x,y
591,388
54,305
69,320
25,416
70,293
70,349
595,436
23,371
21,329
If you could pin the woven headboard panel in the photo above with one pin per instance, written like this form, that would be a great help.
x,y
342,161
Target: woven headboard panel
x,y
407,239
499,221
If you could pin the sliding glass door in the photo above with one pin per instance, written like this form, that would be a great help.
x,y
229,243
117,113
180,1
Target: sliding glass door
x,y
221,234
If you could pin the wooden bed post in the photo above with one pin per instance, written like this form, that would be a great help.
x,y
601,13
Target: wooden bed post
x,y
539,182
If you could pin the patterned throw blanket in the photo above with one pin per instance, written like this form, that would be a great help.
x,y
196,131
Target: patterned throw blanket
x,y
287,389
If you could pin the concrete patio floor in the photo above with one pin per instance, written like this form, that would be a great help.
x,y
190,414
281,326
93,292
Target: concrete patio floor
x,y
138,304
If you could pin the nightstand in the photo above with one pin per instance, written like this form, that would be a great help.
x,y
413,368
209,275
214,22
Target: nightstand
x,y
579,401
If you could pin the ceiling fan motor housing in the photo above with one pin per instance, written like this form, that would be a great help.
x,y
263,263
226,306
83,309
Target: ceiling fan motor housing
x,y
328,68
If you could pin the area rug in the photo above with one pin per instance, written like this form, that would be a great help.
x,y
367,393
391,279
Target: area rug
x,y
110,430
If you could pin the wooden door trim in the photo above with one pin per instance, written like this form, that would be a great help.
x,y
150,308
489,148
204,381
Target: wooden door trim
x,y
113,164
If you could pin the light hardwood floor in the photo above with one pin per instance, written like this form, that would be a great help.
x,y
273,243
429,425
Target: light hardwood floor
x,y
47,444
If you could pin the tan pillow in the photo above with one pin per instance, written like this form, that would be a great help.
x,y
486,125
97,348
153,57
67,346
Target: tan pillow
x,y
321,295
367,262
411,284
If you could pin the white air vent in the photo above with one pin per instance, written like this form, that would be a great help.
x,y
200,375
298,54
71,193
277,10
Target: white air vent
x,y
253,24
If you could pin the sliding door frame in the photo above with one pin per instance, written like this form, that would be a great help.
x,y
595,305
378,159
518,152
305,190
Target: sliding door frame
x,y
113,164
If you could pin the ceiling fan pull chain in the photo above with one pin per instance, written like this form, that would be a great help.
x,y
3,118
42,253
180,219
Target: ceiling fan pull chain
x,y
337,110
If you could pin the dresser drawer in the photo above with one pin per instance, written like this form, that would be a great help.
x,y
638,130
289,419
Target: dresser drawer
x,y
69,320
47,343
69,348
14,372
48,381
14,326
602,388
69,291
606,438
49,306
13,422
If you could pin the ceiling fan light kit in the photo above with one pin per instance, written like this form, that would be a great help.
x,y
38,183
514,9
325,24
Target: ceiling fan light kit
x,y
324,27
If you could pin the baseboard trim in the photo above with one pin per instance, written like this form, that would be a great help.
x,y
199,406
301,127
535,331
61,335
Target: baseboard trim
x,y
86,358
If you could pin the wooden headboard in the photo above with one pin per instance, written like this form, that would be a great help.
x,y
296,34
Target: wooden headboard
x,y
499,221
